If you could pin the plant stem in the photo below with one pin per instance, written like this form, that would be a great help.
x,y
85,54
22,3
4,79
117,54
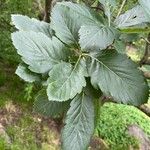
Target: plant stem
x,y
120,10
135,30
145,39
97,106
76,63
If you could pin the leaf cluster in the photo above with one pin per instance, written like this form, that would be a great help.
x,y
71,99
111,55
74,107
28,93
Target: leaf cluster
x,y
76,59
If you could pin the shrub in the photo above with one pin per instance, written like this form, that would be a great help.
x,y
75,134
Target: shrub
x,y
113,123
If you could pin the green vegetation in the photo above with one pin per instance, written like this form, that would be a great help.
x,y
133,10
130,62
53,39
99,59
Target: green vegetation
x,y
80,44
11,87
2,77
26,130
78,58
113,123
8,7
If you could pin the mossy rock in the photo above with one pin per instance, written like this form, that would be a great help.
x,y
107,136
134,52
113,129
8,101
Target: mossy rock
x,y
114,121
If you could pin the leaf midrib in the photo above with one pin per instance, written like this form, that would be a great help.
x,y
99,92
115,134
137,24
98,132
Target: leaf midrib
x,y
79,115
69,75
129,85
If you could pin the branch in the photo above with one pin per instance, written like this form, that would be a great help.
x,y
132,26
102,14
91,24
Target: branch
x,y
145,39
48,7
145,59
121,8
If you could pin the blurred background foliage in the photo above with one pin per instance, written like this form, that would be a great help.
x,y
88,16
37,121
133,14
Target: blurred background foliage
x,y
8,7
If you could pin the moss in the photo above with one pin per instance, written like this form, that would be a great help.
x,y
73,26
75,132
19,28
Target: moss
x,y
113,123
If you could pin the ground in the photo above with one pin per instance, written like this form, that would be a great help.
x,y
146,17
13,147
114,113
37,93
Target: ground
x,y
26,130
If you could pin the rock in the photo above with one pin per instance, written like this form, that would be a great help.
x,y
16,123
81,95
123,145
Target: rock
x,y
145,109
139,134
98,144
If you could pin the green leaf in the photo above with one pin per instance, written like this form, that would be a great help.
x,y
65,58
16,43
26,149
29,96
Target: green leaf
x,y
109,6
133,37
120,46
96,37
48,108
85,15
135,30
25,23
118,76
67,18
38,51
146,7
79,123
24,73
131,17
65,25
110,3
65,81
